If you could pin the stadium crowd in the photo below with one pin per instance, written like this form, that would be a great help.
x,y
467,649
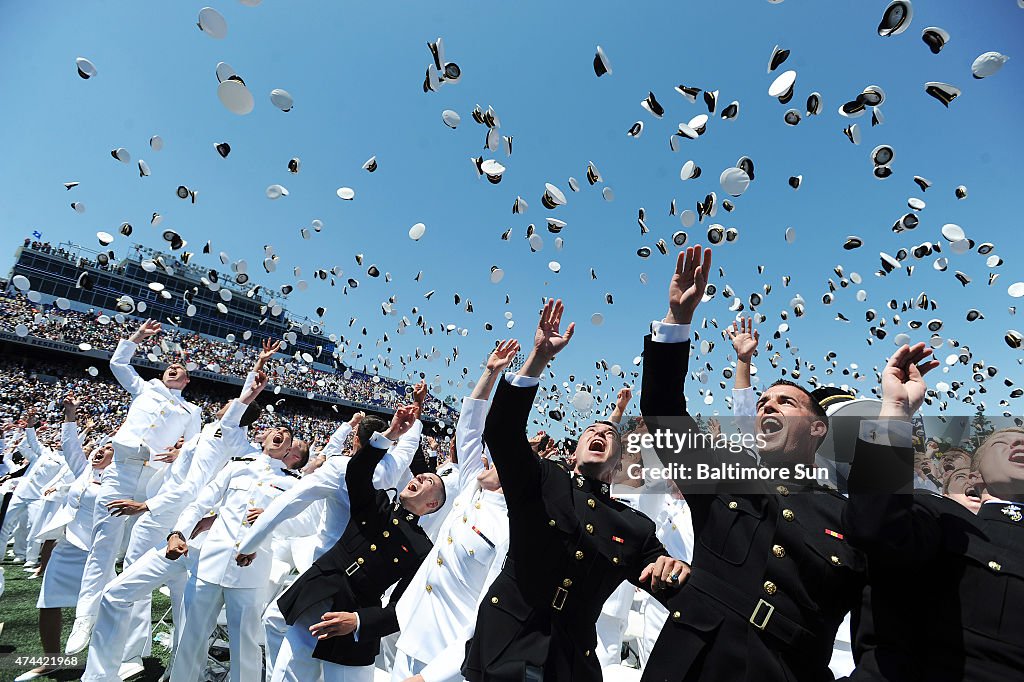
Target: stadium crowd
x,y
102,331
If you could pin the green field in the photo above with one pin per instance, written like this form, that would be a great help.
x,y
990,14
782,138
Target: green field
x,y
20,635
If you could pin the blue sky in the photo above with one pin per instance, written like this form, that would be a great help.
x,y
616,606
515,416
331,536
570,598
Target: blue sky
x,y
355,71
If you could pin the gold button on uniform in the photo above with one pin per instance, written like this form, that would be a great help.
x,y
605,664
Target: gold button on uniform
x,y
587,652
788,514
494,600
387,533
783,490
551,523
835,560
360,561
395,560
779,551
769,587
995,566
449,539
590,528
733,504
394,521
440,561
567,583
373,548
615,559
579,555
591,503
676,615
429,588
477,505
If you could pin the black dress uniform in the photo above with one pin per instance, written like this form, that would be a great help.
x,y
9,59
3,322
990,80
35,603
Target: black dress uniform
x,y
772,575
382,544
947,587
570,546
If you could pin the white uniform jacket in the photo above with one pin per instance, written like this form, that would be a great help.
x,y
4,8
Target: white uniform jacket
x,y
239,487
157,416
437,612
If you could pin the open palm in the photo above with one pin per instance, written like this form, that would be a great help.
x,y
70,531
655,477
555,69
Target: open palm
x,y
548,340
687,286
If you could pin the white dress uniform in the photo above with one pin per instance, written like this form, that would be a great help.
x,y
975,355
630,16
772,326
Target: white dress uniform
x,y
43,466
156,419
437,611
122,629
218,580
63,575
614,618
328,484
674,528
49,505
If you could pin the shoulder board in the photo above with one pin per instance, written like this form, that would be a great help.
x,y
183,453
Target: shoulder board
x,y
289,472
243,459
219,433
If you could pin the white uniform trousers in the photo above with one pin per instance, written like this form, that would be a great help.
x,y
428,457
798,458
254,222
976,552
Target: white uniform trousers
x,y
114,625
149,532
125,479
295,662
203,602
655,616
16,525
611,624
34,523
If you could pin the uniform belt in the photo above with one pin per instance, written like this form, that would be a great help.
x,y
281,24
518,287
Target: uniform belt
x,y
758,612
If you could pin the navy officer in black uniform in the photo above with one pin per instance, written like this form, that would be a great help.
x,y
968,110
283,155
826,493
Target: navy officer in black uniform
x,y
772,575
382,544
570,543
970,567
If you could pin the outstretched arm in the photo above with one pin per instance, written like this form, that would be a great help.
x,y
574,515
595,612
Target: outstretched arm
x,y
469,432
882,516
505,429
621,403
71,445
359,475
121,359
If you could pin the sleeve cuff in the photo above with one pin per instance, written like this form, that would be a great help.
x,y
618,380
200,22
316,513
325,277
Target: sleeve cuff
x,y
521,381
663,332
355,633
889,432
378,440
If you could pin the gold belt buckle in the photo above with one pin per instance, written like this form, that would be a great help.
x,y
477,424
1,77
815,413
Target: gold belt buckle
x,y
353,568
558,603
767,615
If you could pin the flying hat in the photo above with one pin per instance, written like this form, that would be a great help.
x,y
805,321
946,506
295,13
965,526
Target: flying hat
x,y
944,92
651,104
896,18
86,69
601,63
935,38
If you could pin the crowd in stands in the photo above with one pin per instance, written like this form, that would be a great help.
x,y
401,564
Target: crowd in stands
x,y
102,331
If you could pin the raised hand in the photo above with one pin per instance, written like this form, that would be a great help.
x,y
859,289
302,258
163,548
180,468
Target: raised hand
x,y
257,386
149,328
903,385
401,422
744,338
687,285
419,393
269,348
71,405
503,355
623,398
548,341
356,419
